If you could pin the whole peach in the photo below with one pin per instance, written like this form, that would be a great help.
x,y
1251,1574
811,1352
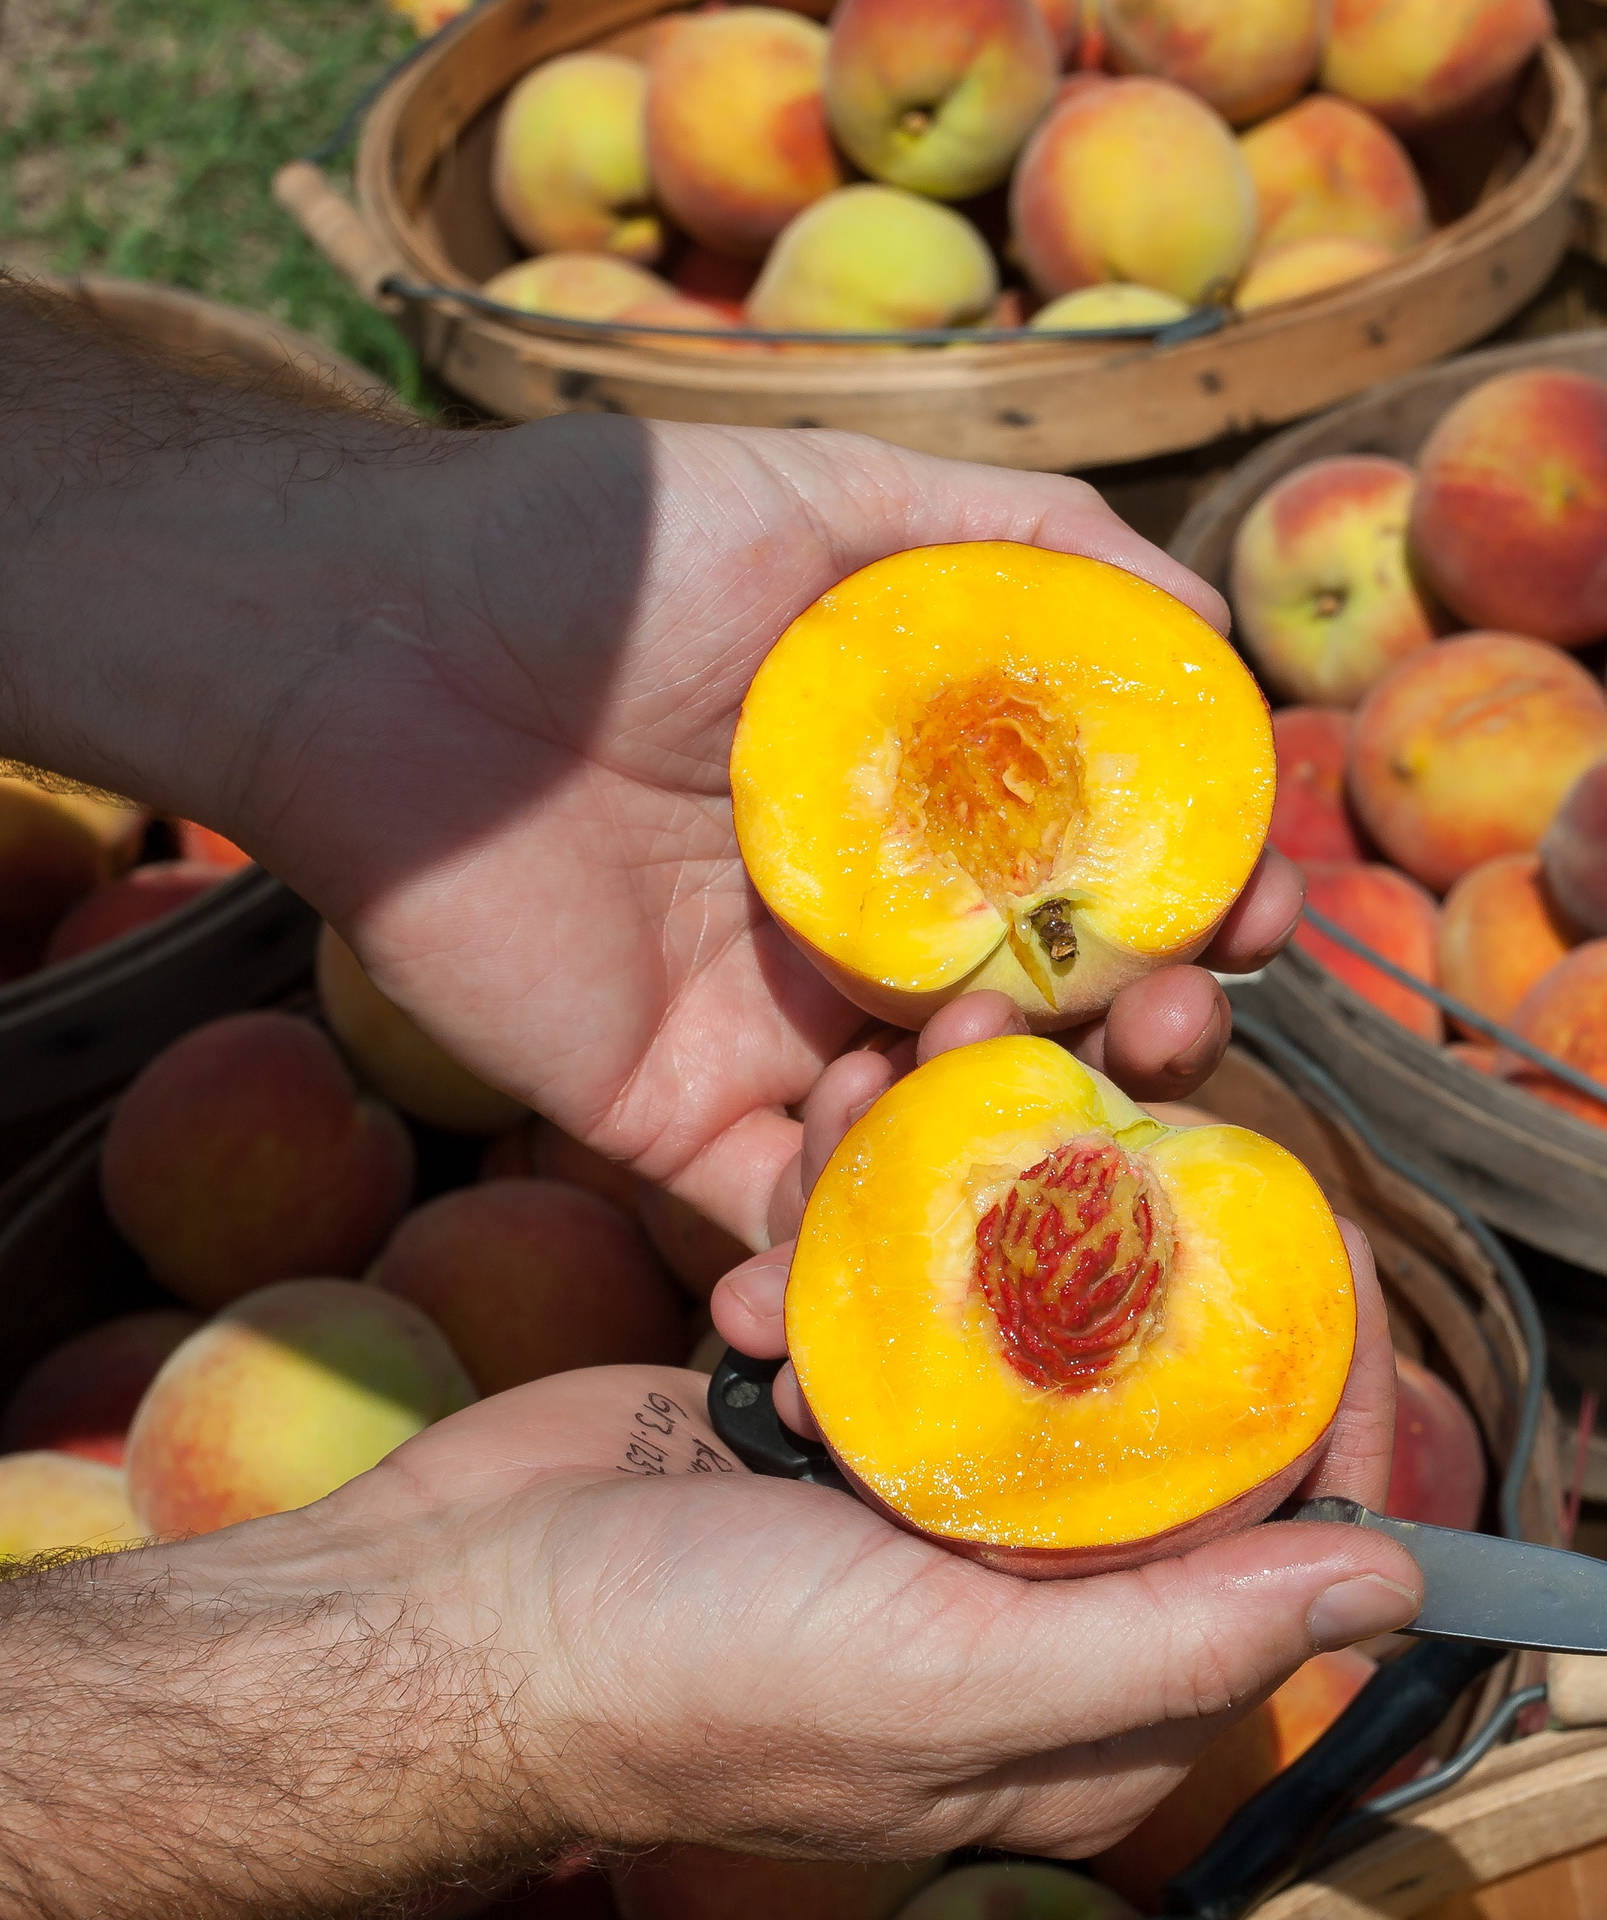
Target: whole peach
x,y
1133,180
58,1503
1499,933
878,260
1296,268
396,1057
281,1398
938,99
80,1396
531,1277
569,168
1466,749
736,125
1509,523
1574,853
1416,63
1326,167
1247,59
580,286
1311,818
135,899
1397,918
1323,592
242,1154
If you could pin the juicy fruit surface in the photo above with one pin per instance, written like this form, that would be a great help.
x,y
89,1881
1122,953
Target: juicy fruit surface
x,y
908,1372
961,747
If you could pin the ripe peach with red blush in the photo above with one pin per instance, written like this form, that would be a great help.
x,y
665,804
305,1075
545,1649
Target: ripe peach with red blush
x,y
531,1277
1056,1336
1428,735
1509,522
1311,818
1325,597
80,1397
1394,916
243,1153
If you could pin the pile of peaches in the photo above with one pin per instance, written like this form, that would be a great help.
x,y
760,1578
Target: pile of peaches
x,y
79,869
1069,165
1443,761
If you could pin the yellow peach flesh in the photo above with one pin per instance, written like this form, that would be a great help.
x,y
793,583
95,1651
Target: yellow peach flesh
x,y
904,1369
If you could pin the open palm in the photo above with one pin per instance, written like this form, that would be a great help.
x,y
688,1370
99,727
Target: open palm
x,y
512,793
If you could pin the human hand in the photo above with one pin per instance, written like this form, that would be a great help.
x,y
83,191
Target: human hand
x,y
510,790
681,1650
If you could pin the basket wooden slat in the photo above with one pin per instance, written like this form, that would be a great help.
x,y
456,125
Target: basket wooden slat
x,y
1529,1168
422,186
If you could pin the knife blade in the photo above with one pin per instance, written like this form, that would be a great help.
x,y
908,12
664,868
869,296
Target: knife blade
x,y
1482,1586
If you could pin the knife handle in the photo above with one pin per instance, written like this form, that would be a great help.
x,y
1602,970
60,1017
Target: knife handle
x,y
1263,1845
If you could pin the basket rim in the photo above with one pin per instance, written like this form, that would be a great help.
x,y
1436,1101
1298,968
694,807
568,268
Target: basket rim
x,y
1553,165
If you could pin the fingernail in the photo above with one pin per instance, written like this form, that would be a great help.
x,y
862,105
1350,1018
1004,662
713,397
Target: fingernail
x,y
1358,1608
1201,1052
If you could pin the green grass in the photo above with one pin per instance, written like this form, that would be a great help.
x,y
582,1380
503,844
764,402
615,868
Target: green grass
x,y
139,137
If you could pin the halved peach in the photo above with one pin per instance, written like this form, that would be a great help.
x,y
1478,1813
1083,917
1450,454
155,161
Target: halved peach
x,y
994,766
1045,1330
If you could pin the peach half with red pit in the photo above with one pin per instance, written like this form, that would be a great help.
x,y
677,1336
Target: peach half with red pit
x,y
1044,1329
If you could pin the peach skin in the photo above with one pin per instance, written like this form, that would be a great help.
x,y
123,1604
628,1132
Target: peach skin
x,y
989,765
736,124
569,168
1036,1325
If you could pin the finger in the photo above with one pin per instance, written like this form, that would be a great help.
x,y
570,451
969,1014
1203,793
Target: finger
x,y
1263,918
791,1407
1163,1035
848,1087
974,1016
746,1305
1356,1461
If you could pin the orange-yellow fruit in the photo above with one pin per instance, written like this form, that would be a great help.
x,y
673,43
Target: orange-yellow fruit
x,y
1466,750
1499,933
59,1503
1326,167
281,1398
531,1277
1236,1766
1247,59
1295,268
576,286
938,99
991,765
736,125
1133,180
1509,522
396,1057
1418,62
1324,595
569,169
242,1154
1058,1337
1396,918
872,259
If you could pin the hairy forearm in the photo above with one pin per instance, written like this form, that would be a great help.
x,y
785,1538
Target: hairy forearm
x,y
180,557
192,1731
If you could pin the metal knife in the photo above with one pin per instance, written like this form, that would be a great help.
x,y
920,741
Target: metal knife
x,y
1481,1586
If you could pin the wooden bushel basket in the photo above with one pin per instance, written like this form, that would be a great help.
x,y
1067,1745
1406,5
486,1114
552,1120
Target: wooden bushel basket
x,y
426,227
70,1033
1529,1168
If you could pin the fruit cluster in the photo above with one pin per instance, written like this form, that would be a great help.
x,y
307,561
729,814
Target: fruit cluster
x,y
78,869
913,166
318,1313
1440,764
